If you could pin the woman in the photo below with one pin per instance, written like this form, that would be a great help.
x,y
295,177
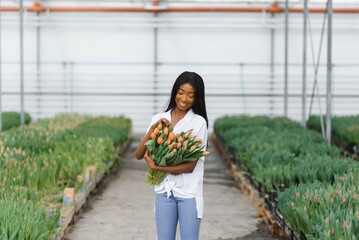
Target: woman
x,y
179,197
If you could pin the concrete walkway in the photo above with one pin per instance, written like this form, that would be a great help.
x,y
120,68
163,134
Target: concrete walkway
x,y
123,207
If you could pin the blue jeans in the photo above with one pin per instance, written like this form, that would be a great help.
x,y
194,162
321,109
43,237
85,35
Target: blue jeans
x,y
173,209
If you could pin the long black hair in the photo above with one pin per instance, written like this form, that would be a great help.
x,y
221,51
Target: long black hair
x,y
199,105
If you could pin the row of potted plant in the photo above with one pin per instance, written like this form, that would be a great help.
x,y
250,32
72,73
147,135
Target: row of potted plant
x,y
345,131
322,210
281,155
40,160
275,150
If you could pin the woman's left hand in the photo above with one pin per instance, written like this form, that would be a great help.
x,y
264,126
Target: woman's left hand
x,y
150,163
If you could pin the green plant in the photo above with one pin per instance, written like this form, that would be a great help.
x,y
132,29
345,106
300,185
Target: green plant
x,y
274,150
345,130
12,119
39,160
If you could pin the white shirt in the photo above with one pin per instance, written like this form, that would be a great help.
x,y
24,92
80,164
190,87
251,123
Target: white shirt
x,y
186,185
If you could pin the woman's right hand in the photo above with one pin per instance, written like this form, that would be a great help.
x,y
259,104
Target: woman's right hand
x,y
141,148
163,120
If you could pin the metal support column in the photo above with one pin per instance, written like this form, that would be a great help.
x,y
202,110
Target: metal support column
x,y
241,80
329,72
38,67
22,113
286,60
271,87
155,66
304,83
71,93
65,76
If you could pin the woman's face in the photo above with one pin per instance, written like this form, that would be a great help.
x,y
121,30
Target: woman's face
x,y
185,97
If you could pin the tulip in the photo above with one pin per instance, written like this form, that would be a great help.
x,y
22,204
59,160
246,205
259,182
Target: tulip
x,y
205,153
346,224
171,146
159,140
153,135
186,135
165,131
171,136
171,149
192,148
156,130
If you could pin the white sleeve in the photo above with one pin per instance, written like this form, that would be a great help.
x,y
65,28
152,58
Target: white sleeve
x,y
202,133
153,120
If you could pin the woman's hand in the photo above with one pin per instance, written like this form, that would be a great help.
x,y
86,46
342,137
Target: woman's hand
x,y
150,163
186,167
141,148
163,120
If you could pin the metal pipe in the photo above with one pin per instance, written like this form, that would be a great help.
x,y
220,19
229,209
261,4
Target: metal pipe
x,y
108,18
329,72
103,20
144,93
155,66
38,69
242,23
200,26
64,67
39,8
286,60
241,79
135,63
155,59
71,87
315,84
304,82
22,113
271,83
323,10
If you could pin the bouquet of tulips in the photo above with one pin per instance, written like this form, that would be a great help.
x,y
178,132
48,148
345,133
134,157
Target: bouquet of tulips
x,y
168,149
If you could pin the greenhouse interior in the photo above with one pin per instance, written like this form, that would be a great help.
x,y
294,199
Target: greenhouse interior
x,y
247,107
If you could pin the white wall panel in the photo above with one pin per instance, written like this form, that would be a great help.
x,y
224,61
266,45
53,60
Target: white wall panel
x,y
103,63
